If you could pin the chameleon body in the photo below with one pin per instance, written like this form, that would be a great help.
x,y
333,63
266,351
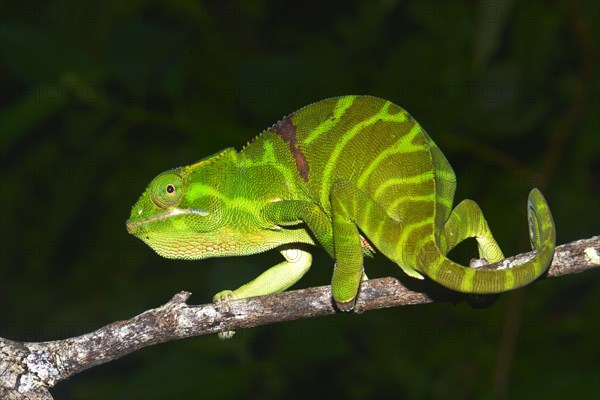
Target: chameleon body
x,y
352,174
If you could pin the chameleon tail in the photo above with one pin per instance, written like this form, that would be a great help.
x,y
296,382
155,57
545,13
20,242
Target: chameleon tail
x,y
542,235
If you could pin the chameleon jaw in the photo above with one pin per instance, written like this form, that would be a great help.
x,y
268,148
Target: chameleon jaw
x,y
134,224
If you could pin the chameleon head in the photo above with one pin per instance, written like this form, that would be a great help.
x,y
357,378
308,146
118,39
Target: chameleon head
x,y
194,212
164,220
175,222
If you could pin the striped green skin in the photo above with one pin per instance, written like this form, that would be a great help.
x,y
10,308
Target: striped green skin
x,y
348,173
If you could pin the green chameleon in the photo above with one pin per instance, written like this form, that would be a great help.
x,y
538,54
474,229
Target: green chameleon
x,y
353,174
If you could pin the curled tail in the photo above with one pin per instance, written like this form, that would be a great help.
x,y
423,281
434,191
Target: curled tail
x,y
542,235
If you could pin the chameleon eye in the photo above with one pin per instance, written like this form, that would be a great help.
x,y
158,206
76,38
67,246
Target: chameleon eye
x,y
166,190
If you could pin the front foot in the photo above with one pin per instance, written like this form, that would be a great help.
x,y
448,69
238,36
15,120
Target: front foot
x,y
222,301
223,298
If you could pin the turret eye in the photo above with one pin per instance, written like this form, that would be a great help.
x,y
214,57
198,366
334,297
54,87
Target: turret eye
x,y
166,190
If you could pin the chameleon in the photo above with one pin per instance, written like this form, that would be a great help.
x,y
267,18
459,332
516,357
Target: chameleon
x,y
353,174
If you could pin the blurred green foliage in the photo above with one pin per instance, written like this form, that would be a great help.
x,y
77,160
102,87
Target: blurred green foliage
x,y
99,97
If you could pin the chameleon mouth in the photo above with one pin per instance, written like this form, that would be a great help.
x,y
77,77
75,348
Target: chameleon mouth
x,y
133,224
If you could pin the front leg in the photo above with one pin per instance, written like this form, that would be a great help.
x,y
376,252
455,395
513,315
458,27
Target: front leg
x,y
274,280
293,212
297,262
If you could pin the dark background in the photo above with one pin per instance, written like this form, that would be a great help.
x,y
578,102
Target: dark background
x,y
98,98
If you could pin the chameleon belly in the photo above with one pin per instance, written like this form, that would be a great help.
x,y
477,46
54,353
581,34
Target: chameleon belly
x,y
347,173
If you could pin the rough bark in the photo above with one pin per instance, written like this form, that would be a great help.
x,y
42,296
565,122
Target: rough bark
x,y
28,370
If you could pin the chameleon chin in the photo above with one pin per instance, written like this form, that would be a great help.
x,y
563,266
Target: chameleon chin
x,y
332,168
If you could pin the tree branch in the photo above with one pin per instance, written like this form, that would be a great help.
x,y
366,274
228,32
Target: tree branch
x,y
28,370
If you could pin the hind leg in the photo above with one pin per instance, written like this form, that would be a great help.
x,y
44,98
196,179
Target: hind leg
x,y
351,209
467,221
348,269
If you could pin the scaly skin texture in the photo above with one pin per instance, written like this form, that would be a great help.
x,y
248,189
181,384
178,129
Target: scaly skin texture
x,y
350,174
